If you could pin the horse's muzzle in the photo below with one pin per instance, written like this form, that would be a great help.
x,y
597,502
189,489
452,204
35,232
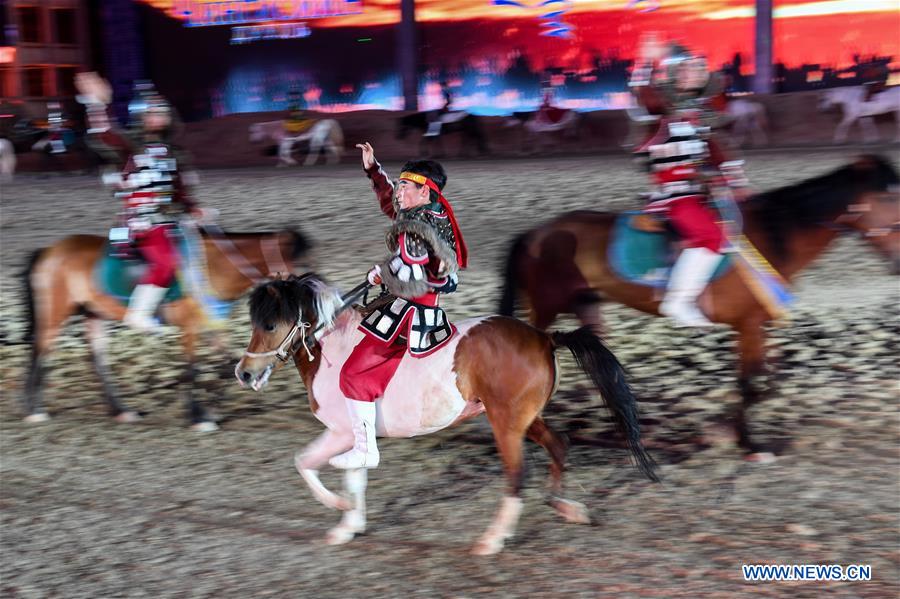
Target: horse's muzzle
x,y
255,379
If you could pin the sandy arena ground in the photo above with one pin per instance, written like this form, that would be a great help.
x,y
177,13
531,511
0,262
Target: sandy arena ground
x,y
95,509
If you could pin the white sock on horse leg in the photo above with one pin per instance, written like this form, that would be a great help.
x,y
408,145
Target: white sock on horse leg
x,y
502,528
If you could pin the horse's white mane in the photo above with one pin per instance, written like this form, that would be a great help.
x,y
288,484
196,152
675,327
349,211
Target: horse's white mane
x,y
327,301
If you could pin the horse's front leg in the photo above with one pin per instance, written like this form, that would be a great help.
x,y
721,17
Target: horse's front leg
x,y
759,134
354,519
840,132
870,131
187,314
314,456
751,347
315,148
284,152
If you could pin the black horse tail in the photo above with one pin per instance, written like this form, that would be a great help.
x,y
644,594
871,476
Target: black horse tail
x,y
30,315
608,375
511,276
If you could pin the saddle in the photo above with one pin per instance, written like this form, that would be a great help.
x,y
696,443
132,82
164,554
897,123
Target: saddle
x,y
642,250
118,271
298,127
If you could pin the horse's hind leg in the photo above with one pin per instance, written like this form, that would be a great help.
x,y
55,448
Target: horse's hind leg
x,y
509,419
51,307
589,309
544,436
97,337
33,398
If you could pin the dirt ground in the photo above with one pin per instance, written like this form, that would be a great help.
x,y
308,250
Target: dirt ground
x,y
94,509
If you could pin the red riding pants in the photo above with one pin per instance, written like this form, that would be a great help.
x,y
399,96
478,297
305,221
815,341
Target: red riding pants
x,y
695,223
158,250
369,369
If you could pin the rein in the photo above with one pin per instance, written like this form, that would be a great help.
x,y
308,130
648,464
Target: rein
x,y
234,255
287,348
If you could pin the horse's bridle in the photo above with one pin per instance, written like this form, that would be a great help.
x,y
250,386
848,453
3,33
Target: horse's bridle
x,y
287,348
853,213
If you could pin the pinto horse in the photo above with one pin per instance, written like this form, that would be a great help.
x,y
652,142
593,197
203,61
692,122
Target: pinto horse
x,y
494,365
564,266
61,281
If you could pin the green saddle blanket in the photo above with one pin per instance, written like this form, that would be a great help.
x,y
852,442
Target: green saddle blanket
x,y
118,276
645,257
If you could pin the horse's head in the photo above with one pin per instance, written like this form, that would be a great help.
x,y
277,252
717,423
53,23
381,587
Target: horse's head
x,y
830,98
875,213
284,314
256,133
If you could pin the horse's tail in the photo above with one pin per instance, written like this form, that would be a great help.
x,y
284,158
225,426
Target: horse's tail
x,y
30,313
608,375
511,276
300,244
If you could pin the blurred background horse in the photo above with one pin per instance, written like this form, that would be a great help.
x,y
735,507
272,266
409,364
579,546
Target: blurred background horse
x,y
578,260
324,135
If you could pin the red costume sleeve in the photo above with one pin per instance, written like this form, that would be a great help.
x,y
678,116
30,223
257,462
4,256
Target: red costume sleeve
x,y
384,189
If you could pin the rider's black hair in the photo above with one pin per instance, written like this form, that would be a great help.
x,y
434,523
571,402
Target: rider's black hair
x,y
431,169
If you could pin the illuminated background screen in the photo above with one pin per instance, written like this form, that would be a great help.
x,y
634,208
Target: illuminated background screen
x,y
495,56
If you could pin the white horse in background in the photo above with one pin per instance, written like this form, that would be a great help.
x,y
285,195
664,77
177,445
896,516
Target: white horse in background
x,y
749,119
539,133
855,108
7,160
325,133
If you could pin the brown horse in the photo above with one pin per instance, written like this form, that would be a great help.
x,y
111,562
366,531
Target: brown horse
x,y
494,365
563,266
60,281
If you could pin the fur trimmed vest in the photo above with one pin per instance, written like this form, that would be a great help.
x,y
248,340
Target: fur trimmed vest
x,y
422,265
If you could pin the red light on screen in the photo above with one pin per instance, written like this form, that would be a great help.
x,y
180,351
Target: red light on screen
x,y
7,54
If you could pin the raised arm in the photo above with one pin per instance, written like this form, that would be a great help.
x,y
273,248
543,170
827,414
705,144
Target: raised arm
x,y
381,183
95,93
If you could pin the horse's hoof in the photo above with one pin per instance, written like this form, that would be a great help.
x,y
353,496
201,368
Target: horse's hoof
x,y
572,511
128,417
487,547
340,535
761,457
37,418
205,427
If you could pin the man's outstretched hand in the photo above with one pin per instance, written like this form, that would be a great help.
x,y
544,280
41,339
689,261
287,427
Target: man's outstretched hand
x,y
368,155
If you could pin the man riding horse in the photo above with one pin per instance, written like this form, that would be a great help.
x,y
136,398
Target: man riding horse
x,y
298,120
687,167
427,250
151,183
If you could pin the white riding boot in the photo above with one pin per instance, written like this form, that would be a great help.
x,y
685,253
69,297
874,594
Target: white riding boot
x,y
687,281
142,306
365,450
